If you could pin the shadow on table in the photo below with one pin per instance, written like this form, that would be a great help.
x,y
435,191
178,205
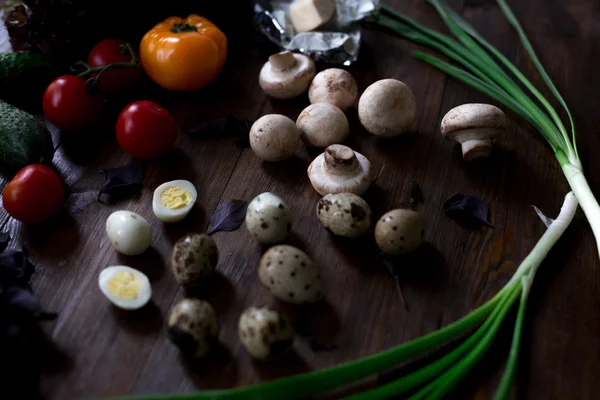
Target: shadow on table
x,y
217,370
149,262
217,290
144,321
288,364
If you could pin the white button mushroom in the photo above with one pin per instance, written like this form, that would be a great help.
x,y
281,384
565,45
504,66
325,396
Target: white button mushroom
x,y
322,124
340,169
400,232
387,108
290,275
268,218
274,137
129,233
307,15
194,258
474,126
344,214
286,75
265,333
193,327
334,86
125,287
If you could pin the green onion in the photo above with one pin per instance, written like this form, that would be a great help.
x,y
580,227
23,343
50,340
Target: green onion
x,y
482,68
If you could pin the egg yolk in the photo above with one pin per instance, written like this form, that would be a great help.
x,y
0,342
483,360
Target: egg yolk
x,y
175,197
124,285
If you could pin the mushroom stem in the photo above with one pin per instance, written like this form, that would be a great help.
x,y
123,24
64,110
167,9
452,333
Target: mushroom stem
x,y
340,160
476,148
282,61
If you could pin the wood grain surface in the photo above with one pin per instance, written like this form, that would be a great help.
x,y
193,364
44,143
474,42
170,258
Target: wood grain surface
x,y
110,352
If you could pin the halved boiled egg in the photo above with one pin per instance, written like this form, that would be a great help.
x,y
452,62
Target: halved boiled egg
x,y
172,201
125,287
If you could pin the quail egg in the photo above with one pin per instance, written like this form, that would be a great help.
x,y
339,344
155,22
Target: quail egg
x,y
265,333
129,233
344,214
268,218
400,232
194,258
193,327
125,287
173,201
290,275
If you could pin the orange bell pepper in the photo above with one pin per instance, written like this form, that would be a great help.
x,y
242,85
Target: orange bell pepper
x,y
183,54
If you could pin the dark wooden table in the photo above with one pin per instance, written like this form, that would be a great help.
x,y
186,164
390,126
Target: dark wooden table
x,y
111,352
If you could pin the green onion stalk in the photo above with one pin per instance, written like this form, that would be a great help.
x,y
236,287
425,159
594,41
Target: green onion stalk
x,y
484,68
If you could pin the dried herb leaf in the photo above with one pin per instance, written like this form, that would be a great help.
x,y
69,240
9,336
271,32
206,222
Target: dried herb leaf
x,y
228,126
4,239
416,195
125,179
228,216
392,270
467,210
315,345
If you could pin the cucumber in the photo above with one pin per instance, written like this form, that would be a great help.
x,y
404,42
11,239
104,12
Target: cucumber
x,y
23,79
24,140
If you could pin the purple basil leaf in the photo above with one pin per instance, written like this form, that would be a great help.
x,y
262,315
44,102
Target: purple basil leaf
x,y
23,299
15,267
125,179
467,210
228,216
228,126
4,239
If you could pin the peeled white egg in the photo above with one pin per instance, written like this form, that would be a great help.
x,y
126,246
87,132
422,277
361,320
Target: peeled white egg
x,y
172,201
129,233
125,287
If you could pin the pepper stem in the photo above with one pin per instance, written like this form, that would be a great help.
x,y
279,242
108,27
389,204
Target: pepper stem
x,y
178,28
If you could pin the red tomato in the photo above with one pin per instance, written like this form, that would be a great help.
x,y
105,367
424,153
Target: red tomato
x,y
34,195
69,105
146,129
118,79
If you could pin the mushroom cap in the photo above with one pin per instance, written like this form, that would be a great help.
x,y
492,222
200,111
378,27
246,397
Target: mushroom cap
x,y
340,169
473,121
274,137
387,108
288,77
322,124
334,86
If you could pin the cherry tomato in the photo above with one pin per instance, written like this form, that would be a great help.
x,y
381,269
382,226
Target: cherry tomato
x,y
34,195
118,79
146,129
69,105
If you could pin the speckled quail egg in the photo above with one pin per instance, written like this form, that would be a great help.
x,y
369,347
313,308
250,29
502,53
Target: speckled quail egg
x,y
193,327
265,333
194,258
173,201
290,275
344,214
129,233
400,232
125,287
268,218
